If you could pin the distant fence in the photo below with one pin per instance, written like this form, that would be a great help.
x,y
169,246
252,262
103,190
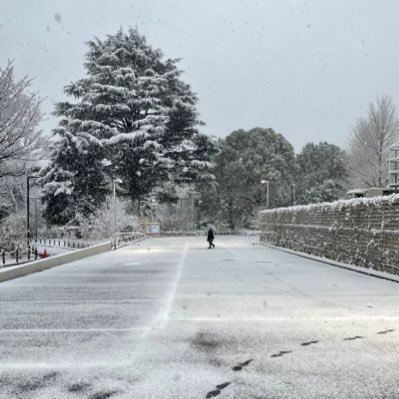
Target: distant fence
x,y
195,233
63,243
18,253
123,239
57,260
363,232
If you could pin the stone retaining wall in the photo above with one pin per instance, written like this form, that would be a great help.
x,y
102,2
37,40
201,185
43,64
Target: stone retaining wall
x,y
363,232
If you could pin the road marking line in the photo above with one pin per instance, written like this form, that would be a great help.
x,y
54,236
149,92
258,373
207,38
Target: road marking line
x,y
86,285
165,316
65,365
284,319
72,330
82,301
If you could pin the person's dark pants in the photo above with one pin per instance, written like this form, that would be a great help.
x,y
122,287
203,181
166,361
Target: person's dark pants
x,y
211,244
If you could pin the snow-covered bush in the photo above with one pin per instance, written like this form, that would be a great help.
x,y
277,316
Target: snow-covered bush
x,y
13,231
101,224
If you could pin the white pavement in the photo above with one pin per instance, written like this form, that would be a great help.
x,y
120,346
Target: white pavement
x,y
171,319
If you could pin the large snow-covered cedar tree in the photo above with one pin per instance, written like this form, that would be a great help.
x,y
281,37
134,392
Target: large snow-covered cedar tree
x,y
132,118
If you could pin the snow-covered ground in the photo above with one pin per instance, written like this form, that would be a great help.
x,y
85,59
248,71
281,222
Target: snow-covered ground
x,y
171,319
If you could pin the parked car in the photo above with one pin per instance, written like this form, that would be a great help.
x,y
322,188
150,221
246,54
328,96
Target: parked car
x,y
369,192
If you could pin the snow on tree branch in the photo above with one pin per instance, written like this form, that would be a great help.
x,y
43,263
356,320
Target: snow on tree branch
x,y
20,140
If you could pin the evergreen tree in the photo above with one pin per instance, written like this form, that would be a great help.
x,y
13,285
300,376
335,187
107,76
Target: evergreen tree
x,y
133,118
322,173
76,181
246,158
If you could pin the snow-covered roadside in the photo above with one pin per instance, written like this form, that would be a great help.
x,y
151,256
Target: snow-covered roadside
x,y
51,251
362,232
342,265
19,270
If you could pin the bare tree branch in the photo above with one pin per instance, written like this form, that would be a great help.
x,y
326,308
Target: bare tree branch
x,y
370,140
20,140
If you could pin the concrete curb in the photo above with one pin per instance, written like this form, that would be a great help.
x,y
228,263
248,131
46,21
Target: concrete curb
x,y
12,272
341,265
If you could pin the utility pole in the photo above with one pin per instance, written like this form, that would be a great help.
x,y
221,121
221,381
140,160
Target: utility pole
x,y
294,193
267,192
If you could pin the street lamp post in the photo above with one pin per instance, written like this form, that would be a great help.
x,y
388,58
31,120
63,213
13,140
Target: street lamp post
x,y
152,209
192,194
36,218
35,198
267,191
114,182
28,211
294,193
192,211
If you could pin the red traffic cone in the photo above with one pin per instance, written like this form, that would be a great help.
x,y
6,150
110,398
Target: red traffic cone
x,y
45,253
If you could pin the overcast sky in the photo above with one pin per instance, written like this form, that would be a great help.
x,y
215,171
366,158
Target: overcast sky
x,y
307,69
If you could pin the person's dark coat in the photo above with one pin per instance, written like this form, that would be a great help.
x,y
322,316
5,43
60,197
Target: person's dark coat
x,y
211,236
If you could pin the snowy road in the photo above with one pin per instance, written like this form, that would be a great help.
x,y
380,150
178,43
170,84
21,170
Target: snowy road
x,y
172,319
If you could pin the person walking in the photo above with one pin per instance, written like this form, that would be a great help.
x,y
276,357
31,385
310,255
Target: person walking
x,y
210,239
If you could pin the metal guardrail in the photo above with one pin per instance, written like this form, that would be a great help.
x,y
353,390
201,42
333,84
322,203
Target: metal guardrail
x,y
43,264
18,255
63,243
124,239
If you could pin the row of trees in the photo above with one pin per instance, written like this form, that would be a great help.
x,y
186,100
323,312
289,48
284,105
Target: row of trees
x,y
132,123
320,172
246,158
